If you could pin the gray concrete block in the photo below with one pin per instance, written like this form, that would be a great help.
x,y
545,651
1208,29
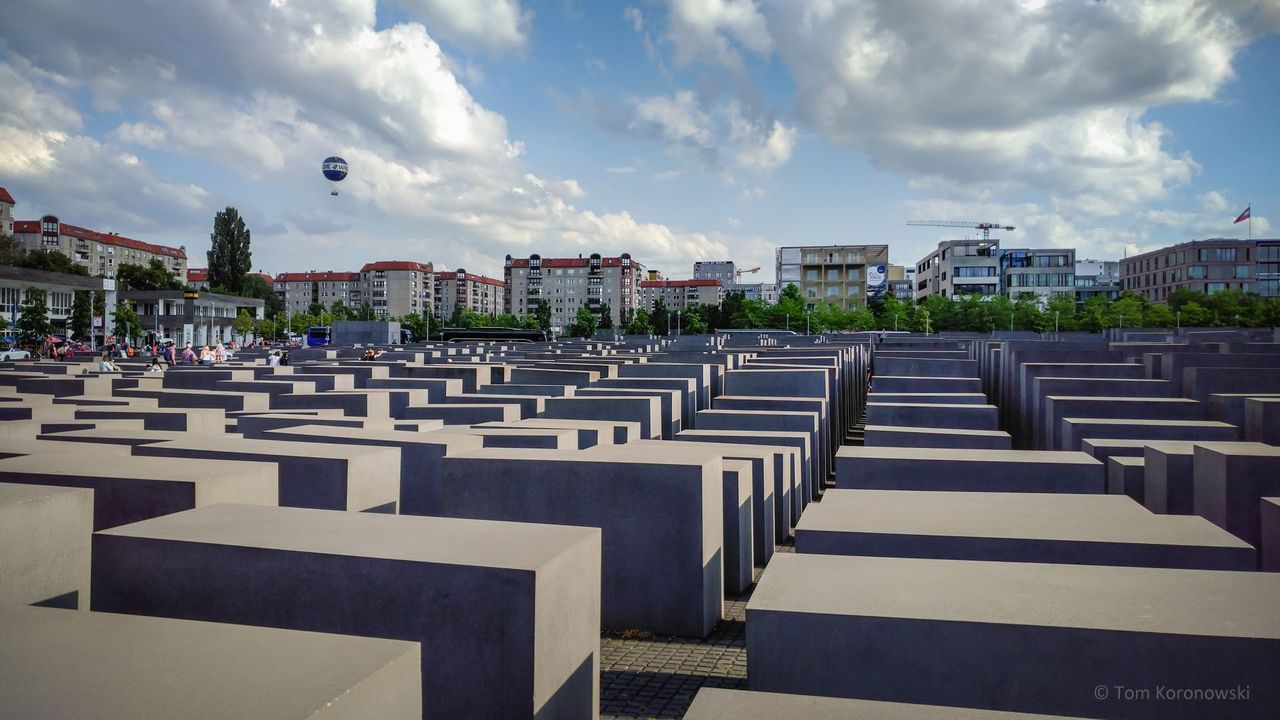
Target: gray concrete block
x,y
925,367
644,410
921,625
933,415
44,545
1015,527
59,664
671,421
1229,480
590,432
661,520
887,468
507,614
759,421
1076,430
1262,420
1270,525
713,703
1126,476
129,489
924,437
785,451
932,398
329,477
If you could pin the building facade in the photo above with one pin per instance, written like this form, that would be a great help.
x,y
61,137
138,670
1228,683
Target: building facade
x,y
395,288
199,318
99,253
834,274
726,271
198,278
1096,278
959,267
570,283
299,290
460,289
902,281
59,290
681,294
755,291
1043,272
1206,266
6,211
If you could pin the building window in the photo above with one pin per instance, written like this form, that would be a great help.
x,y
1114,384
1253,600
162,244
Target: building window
x,y
1217,255
1196,272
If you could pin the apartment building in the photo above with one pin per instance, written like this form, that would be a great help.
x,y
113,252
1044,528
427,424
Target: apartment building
x,y
1043,272
298,290
959,267
726,271
395,288
901,281
681,294
834,274
477,293
1206,266
755,291
570,283
6,211
198,278
99,253
1097,278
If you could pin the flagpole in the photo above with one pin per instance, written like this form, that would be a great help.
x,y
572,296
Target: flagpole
x,y
1250,219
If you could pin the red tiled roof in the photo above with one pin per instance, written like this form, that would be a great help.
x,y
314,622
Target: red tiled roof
x,y
396,265
270,280
5,197
33,226
571,262
700,282
326,276
197,274
485,279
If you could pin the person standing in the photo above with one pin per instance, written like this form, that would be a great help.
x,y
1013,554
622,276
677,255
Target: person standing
x,y
188,355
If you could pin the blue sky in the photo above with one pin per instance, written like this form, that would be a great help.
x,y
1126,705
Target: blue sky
x,y
676,130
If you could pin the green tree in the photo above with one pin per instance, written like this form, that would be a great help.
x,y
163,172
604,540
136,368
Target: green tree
x,y
11,250
317,309
244,322
127,325
1158,315
339,311
1062,310
584,323
299,323
267,328
694,322
256,286
506,320
81,320
789,311
606,317
152,276
51,261
638,322
541,313
33,319
417,325
229,256
660,318
365,313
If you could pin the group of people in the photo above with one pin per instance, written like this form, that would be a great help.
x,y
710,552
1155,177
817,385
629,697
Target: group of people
x,y
170,356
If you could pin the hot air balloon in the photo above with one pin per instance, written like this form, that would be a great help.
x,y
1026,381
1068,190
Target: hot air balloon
x,y
334,169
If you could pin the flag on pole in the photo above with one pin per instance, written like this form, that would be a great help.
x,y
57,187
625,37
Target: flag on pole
x,y
1243,216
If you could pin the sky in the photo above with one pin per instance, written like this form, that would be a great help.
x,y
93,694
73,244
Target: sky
x,y
675,130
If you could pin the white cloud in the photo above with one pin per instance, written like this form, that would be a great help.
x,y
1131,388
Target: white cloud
x,y
713,30
487,24
633,15
140,133
724,137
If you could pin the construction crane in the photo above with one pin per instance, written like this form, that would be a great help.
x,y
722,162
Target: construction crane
x,y
985,227
739,273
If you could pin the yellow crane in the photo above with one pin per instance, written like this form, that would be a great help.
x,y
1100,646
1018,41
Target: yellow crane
x,y
738,274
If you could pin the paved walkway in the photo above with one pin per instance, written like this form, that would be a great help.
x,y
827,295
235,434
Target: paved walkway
x,y
657,677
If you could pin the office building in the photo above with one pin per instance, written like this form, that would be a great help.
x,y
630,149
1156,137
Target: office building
x,y
395,288
681,294
755,291
1042,272
59,294
726,271
1096,278
1206,266
959,267
99,253
833,274
570,283
460,289
902,281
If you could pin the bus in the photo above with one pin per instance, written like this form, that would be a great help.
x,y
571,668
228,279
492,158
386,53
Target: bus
x,y
496,334
319,335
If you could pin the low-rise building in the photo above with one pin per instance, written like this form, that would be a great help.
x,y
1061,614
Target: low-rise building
x,y
59,290
1097,278
97,252
681,294
959,267
755,291
198,278
190,316
830,274
1042,272
6,211
726,271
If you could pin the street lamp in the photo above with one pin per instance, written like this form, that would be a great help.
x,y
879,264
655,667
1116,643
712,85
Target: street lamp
x,y
926,322
677,323
1178,318
1055,322
806,321
895,322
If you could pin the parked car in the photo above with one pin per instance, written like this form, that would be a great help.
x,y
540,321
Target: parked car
x,y
12,353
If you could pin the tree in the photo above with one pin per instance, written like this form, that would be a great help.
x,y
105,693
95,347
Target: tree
x,y
229,255
244,322
541,313
299,323
127,325
81,321
1062,310
694,323
789,312
660,318
255,286
639,323
267,327
365,313
152,276
606,317
584,323
417,325
11,250
339,311
51,261
317,309
33,321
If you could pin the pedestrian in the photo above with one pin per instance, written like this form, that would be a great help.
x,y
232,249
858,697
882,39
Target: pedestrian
x,y
170,354
106,365
219,354
206,356
188,355
155,365
273,359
